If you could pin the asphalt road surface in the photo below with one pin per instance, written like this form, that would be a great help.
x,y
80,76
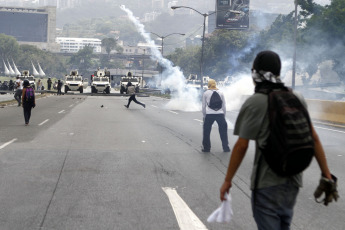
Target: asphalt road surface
x,y
81,165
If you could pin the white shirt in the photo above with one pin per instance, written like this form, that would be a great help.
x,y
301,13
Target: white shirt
x,y
206,100
20,83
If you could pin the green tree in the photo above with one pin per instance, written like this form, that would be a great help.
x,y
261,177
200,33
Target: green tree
x,y
109,44
83,59
9,47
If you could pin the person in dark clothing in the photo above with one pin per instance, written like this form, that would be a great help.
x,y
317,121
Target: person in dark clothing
x,y
27,105
59,86
131,91
49,83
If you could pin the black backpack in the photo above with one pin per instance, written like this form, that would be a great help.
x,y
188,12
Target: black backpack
x,y
216,102
290,145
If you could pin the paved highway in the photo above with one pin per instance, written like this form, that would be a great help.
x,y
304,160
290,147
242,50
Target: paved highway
x,y
79,165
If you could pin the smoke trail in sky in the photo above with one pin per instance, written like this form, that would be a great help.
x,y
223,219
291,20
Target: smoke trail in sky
x,y
172,77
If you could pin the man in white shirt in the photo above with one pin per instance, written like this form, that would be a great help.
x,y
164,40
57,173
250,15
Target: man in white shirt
x,y
212,114
19,87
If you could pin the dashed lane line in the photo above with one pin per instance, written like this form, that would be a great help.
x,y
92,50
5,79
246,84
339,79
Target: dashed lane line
x,y
172,112
8,143
43,122
186,218
154,106
61,111
198,120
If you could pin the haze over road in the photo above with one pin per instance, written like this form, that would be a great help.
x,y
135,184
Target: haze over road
x,y
82,166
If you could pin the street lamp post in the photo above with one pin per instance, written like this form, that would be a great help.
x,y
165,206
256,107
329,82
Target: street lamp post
x,y
203,38
203,41
294,52
162,45
142,71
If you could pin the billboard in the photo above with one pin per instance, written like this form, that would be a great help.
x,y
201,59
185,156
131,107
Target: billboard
x,y
232,14
27,27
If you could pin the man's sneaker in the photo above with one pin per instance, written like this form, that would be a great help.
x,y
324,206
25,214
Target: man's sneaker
x,y
144,106
205,150
227,150
125,106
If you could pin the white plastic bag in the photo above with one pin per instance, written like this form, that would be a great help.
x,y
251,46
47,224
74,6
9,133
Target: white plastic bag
x,y
224,213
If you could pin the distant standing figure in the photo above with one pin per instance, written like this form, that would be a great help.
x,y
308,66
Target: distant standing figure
x,y
49,83
214,114
39,84
19,89
59,86
28,101
131,91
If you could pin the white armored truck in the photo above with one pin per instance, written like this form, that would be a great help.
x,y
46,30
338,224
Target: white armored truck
x,y
26,76
100,82
75,82
129,78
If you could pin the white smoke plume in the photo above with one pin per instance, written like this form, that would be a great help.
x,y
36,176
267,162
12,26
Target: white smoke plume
x,y
184,98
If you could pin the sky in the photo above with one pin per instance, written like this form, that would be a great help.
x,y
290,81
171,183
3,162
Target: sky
x,y
281,6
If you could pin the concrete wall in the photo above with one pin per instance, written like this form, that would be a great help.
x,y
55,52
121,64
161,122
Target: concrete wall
x,y
330,111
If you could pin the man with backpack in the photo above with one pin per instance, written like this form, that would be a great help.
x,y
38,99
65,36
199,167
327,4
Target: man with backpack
x,y
277,173
28,101
214,109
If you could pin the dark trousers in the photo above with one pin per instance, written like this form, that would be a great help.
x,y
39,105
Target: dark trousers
x,y
59,91
132,98
27,112
49,86
18,96
223,130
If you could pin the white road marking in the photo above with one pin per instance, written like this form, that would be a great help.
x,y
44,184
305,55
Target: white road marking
x,y
198,120
8,143
329,124
186,218
172,112
329,129
154,106
61,111
43,122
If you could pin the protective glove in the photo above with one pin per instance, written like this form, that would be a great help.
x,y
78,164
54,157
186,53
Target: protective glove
x,y
329,187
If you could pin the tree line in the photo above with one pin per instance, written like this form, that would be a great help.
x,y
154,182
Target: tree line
x,y
320,37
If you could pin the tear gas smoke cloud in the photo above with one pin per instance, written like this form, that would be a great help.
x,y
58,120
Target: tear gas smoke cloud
x,y
172,77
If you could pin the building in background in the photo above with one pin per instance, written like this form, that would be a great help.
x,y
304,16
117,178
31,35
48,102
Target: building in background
x,y
73,45
33,26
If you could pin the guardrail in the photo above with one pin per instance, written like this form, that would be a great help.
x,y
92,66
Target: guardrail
x,y
330,111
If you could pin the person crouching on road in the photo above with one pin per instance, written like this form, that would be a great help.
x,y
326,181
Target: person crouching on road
x,y
131,91
28,101
212,115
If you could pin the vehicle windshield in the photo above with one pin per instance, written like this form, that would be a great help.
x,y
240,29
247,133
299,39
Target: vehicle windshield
x,y
30,78
69,79
96,79
78,78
